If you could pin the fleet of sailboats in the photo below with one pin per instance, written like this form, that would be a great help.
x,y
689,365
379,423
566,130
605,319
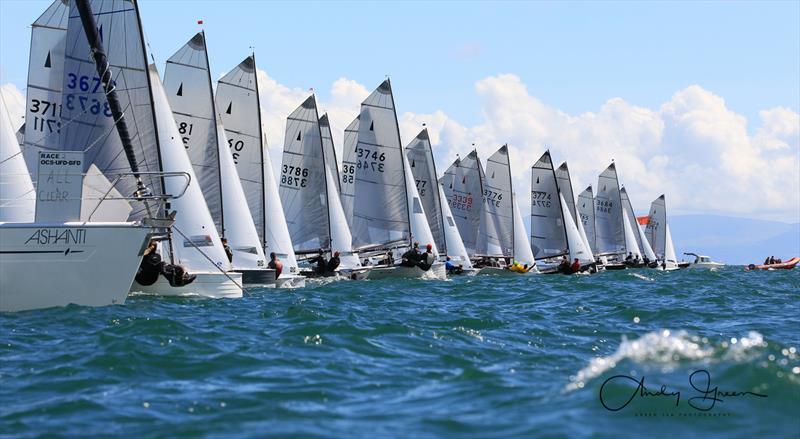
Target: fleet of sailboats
x,y
179,163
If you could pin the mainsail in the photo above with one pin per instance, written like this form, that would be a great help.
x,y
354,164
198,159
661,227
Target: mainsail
x,y
655,231
585,208
187,81
609,229
380,204
329,151
464,190
239,108
348,180
423,168
188,85
453,242
45,82
497,194
303,183
564,183
548,230
17,198
86,112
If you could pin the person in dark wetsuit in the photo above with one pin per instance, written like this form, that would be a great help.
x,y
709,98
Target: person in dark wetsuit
x,y
412,256
564,266
275,264
333,264
321,264
228,251
427,259
152,266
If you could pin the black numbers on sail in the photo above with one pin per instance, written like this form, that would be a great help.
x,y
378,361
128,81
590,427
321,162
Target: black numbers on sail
x,y
541,199
348,173
44,108
294,176
492,198
604,206
236,147
185,129
370,160
421,187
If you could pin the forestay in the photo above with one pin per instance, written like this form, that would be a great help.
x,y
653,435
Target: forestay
x,y
498,205
609,232
87,122
45,82
380,207
238,107
548,232
462,184
423,169
655,231
585,208
188,86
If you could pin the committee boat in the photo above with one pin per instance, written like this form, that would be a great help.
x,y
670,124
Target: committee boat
x,y
309,193
88,262
386,213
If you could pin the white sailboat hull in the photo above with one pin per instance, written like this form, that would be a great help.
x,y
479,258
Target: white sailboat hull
x,y
292,281
207,284
436,272
89,264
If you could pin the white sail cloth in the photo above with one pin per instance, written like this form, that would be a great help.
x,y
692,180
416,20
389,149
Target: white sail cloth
x,y
17,198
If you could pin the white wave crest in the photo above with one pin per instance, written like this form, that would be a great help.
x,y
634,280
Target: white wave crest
x,y
667,349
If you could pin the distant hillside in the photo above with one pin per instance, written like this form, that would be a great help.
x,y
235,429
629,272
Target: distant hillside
x,y
734,240
731,240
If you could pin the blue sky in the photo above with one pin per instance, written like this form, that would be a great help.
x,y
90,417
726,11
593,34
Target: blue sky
x,y
572,55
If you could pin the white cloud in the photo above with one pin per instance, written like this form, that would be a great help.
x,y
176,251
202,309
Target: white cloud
x,y
693,147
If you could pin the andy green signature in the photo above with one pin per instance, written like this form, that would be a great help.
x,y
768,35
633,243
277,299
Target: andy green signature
x,y
703,398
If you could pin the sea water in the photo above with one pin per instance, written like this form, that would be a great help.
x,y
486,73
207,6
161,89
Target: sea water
x,y
628,353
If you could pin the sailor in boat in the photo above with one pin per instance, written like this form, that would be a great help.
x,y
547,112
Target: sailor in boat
x,y
629,259
152,266
427,259
333,264
275,264
412,257
452,268
518,268
576,266
228,251
564,266
322,264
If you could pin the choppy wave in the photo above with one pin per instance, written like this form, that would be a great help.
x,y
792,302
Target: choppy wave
x,y
669,349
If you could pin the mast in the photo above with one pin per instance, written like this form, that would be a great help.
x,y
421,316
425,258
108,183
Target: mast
x,y
324,173
104,71
216,136
511,186
402,164
261,151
